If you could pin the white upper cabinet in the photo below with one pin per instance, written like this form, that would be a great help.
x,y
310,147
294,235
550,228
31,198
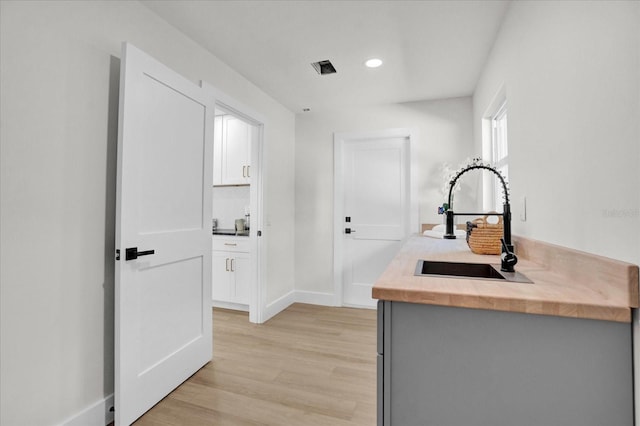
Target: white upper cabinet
x,y
232,151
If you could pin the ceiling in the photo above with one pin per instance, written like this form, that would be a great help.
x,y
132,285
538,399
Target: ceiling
x,y
431,49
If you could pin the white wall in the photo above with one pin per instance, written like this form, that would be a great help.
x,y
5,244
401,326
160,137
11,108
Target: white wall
x,y
571,71
443,135
59,84
571,75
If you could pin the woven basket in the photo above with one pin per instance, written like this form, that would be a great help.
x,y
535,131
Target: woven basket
x,y
484,237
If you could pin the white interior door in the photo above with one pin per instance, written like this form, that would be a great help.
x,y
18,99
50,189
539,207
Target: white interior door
x,y
376,212
163,298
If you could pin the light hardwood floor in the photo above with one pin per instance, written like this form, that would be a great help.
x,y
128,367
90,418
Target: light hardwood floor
x,y
309,365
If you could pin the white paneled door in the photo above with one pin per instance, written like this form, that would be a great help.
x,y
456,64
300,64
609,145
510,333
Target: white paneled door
x,y
163,233
376,212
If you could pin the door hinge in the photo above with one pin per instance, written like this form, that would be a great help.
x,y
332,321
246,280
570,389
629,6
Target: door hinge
x,y
347,219
259,233
117,254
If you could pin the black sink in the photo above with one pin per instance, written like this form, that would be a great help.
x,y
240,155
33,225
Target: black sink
x,y
485,271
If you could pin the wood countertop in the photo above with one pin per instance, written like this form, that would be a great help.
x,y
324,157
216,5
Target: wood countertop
x,y
566,282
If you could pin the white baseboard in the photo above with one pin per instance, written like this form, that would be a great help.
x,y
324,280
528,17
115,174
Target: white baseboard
x,y
278,305
310,297
370,306
315,298
230,305
97,414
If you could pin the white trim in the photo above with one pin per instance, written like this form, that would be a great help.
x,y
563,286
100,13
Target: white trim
x,y
496,101
234,106
338,210
230,305
315,298
257,305
348,305
279,305
339,140
414,214
282,303
488,191
97,414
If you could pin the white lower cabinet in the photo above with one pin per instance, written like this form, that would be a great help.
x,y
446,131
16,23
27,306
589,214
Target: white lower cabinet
x,y
221,289
231,271
240,266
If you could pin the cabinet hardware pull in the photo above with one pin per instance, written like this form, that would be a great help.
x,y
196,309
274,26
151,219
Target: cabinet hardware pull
x,y
248,171
232,270
244,171
230,244
227,264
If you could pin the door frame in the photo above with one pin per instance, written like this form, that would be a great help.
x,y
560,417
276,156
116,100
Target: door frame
x,y
339,142
257,303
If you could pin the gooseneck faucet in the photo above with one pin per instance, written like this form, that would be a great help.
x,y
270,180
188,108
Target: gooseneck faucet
x,y
508,257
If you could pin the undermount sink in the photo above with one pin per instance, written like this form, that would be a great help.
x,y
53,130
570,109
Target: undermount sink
x,y
485,271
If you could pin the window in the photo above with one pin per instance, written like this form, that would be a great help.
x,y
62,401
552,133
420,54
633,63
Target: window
x,y
498,154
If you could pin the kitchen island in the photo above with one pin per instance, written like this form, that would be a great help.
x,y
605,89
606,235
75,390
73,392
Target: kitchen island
x,y
458,351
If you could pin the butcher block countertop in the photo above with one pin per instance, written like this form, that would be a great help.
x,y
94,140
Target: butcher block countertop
x,y
566,282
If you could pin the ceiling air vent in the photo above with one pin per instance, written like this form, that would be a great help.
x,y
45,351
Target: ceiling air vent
x,y
324,67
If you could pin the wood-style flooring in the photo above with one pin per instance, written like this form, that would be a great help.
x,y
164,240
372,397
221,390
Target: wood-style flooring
x,y
309,365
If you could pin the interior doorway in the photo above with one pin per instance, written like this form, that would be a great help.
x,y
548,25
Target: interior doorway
x,y
372,218
238,194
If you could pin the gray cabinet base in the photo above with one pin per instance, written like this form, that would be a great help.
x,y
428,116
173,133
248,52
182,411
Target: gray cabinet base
x,y
456,366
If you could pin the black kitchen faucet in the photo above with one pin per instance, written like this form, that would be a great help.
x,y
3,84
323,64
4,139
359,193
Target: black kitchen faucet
x,y
508,257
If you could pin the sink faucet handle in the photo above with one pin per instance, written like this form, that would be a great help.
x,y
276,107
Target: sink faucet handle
x,y
508,257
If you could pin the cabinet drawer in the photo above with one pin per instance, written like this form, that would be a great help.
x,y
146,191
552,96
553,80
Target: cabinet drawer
x,y
233,244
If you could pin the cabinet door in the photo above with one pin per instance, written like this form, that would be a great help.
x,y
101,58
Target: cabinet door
x,y
222,286
242,277
235,151
504,368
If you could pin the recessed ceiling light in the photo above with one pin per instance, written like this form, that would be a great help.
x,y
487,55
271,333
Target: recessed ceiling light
x,y
373,63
